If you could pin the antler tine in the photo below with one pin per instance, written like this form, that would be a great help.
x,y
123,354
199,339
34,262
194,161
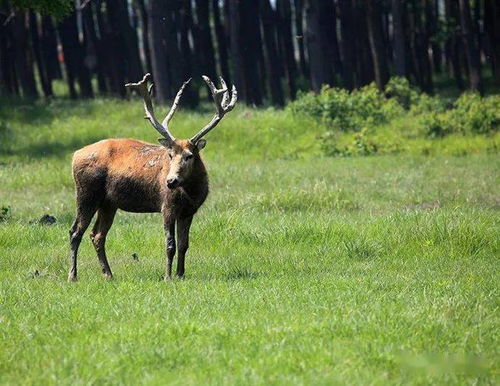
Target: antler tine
x,y
175,104
142,88
225,96
221,97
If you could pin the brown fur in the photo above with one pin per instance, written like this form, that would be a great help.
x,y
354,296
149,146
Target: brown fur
x,y
132,175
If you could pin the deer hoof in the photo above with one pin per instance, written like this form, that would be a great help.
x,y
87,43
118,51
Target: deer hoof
x,y
71,278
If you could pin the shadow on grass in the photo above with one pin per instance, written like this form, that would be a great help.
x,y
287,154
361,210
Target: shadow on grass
x,y
49,149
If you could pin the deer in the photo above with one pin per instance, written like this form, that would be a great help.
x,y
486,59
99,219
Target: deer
x,y
136,176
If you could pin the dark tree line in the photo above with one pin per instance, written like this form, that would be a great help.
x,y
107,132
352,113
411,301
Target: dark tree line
x,y
268,48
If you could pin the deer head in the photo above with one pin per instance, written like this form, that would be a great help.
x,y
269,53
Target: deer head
x,y
183,154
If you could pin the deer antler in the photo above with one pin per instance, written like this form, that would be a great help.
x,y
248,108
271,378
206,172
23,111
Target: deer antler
x,y
222,104
145,91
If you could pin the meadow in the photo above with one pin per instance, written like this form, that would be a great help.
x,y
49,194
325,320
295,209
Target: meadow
x,y
303,268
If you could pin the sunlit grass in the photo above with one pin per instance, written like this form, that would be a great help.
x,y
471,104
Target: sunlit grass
x,y
302,269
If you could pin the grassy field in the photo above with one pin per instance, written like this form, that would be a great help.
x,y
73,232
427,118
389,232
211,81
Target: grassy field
x,y
302,269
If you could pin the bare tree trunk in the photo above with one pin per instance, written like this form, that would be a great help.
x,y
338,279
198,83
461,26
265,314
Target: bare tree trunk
x,y
273,60
8,81
299,27
236,57
156,17
453,44
472,51
286,43
40,64
376,43
95,53
48,45
318,46
22,55
74,57
399,38
221,42
347,43
492,27
252,55
145,32
204,37
191,95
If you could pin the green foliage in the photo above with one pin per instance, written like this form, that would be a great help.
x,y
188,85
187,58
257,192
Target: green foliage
x,y
471,114
56,8
376,117
341,110
4,212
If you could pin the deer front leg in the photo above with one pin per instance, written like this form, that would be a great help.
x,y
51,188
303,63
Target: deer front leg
x,y
183,226
169,226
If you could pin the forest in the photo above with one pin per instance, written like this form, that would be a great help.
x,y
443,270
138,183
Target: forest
x,y
351,231
270,49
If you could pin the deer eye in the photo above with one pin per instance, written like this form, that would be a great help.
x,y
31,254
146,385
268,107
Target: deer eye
x,y
170,155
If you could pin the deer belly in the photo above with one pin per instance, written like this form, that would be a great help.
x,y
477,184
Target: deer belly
x,y
133,196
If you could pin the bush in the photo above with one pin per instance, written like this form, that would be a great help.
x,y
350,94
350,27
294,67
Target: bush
x,y
359,144
471,114
341,110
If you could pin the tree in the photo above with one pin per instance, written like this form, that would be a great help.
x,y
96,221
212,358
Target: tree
x,y
321,69
23,55
376,43
273,59
399,38
471,49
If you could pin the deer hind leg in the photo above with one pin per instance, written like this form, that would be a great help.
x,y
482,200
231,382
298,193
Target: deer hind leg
x,y
83,218
105,217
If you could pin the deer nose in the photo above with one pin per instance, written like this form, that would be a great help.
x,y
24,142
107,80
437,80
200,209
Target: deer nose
x,y
172,182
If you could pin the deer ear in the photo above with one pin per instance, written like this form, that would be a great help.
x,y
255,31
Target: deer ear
x,y
201,144
165,142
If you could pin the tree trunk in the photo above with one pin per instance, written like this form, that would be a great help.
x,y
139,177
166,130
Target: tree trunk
x,y
453,44
286,43
299,29
8,81
173,54
204,37
125,39
221,42
74,57
156,17
40,63
94,49
492,28
252,51
145,28
191,95
235,41
347,43
23,55
399,38
471,49
321,68
273,60
48,44
377,43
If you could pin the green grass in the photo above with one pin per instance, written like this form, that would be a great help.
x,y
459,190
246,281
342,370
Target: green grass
x,y
302,269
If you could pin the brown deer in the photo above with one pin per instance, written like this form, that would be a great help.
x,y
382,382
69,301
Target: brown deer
x,y
140,177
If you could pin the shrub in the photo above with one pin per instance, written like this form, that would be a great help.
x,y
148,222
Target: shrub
x,y
4,212
341,110
470,114
360,144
